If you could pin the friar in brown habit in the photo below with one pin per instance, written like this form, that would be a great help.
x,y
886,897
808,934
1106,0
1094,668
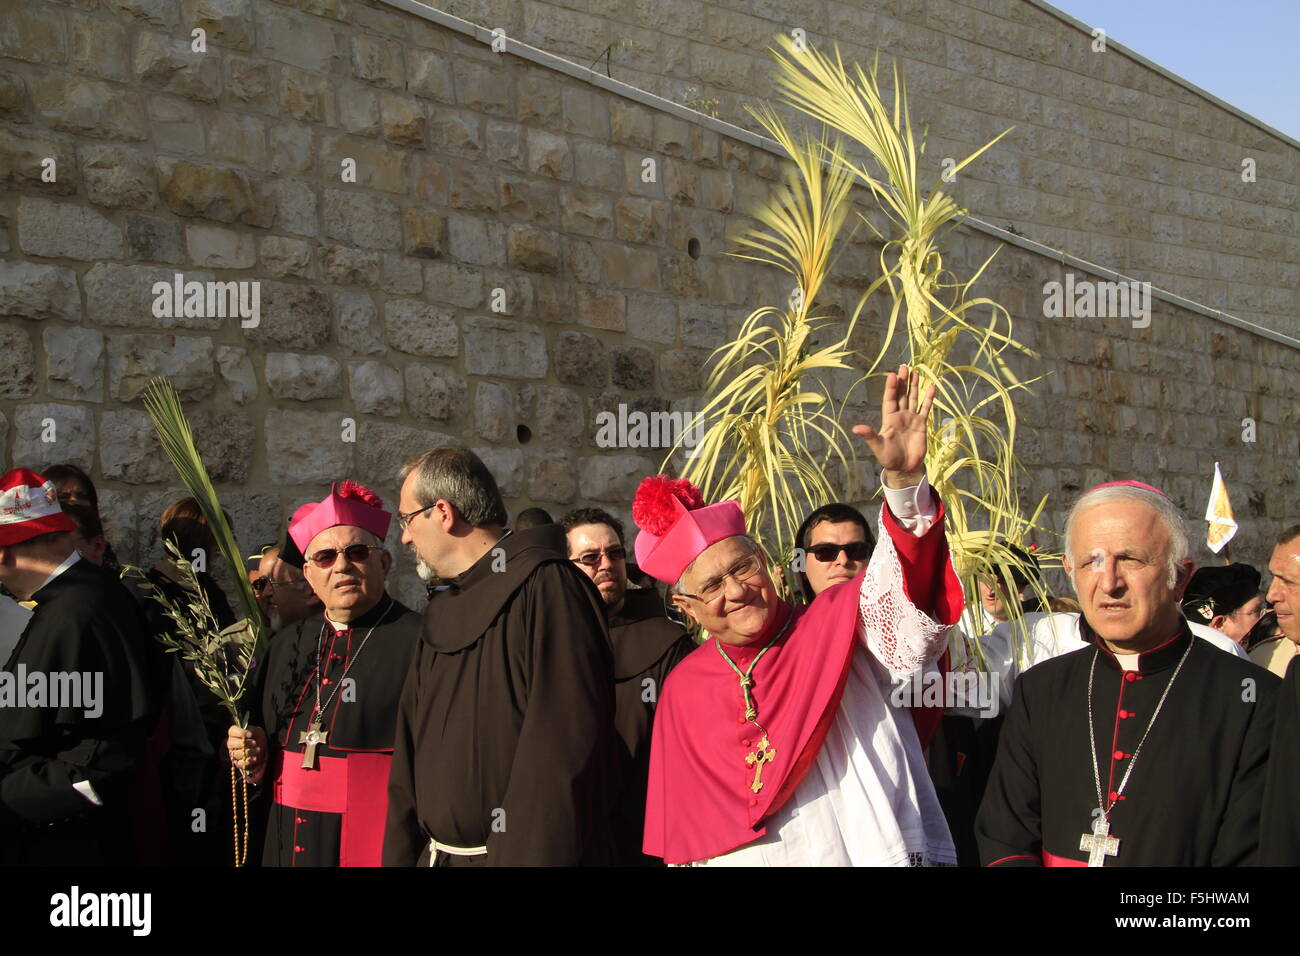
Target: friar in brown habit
x,y
505,751
646,647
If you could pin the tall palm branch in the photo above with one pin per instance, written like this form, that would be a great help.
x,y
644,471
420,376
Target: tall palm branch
x,y
769,429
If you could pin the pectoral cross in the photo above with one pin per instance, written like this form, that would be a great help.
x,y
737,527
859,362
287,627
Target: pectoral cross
x,y
312,736
1099,843
756,760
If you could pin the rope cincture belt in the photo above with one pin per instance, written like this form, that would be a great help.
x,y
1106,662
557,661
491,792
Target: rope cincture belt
x,y
435,846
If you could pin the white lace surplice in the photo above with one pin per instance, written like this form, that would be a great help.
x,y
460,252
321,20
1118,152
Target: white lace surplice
x,y
868,799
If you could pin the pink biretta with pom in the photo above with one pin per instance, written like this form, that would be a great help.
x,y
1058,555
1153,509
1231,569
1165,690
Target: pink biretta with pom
x,y
676,525
347,504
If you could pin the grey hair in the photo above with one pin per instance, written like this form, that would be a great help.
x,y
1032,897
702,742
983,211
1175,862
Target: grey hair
x,y
458,476
678,589
1175,524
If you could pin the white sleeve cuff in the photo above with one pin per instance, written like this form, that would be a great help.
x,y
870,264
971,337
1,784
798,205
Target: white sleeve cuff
x,y
913,507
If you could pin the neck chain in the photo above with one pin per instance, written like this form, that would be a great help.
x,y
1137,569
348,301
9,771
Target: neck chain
x,y
1092,736
751,712
318,715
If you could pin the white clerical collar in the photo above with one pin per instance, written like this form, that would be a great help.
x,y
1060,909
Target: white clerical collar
x,y
68,562
346,627
1128,661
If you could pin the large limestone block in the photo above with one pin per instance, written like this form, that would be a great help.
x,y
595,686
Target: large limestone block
x,y
66,230
47,434
435,393
33,291
303,378
418,328
174,66
135,360
307,447
129,450
504,348
294,316
74,363
17,363
376,388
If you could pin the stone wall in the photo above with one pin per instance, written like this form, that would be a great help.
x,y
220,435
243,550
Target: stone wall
x,y
500,271
1109,159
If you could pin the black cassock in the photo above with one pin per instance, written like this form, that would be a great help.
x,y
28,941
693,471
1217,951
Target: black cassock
x,y
85,622
960,757
505,735
308,806
1195,792
186,760
1279,840
647,646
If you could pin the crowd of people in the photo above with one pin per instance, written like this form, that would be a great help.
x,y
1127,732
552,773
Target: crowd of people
x,y
565,699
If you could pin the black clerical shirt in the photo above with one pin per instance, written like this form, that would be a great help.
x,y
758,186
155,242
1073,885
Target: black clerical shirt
x,y
1194,794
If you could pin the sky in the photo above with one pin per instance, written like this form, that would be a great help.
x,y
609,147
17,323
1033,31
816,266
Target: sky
x,y
1243,51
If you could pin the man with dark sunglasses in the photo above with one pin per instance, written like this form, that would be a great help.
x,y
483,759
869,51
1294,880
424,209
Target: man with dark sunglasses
x,y
328,692
647,646
834,543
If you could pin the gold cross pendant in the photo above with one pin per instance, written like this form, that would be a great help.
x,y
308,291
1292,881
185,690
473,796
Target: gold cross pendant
x,y
756,760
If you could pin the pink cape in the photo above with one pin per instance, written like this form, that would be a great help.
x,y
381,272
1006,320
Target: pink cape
x,y
699,803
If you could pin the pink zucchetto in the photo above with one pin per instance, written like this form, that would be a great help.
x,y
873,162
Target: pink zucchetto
x,y
1130,484
347,504
677,526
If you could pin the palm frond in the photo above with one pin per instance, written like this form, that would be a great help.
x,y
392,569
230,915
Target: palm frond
x,y
164,408
770,429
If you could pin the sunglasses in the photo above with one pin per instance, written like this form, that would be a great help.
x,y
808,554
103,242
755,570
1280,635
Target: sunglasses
x,y
854,551
354,553
592,558
259,584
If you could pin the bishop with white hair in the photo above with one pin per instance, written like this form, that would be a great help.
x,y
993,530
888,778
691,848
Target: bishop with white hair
x,y
1146,746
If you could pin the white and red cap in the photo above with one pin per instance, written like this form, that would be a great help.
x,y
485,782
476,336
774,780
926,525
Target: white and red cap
x,y
29,505
347,504
677,526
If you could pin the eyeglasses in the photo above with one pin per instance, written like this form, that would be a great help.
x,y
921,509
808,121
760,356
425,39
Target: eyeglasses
x,y
259,584
404,520
854,551
592,558
740,572
355,553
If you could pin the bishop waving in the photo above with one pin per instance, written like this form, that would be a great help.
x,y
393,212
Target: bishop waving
x,y
775,743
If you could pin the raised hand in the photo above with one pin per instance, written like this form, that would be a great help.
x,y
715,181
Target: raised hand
x,y
899,445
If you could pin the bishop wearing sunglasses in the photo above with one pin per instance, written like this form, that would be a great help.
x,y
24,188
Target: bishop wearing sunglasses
x,y
323,721
774,742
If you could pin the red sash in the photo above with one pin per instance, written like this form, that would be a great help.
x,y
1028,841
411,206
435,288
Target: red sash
x,y
1051,859
355,786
